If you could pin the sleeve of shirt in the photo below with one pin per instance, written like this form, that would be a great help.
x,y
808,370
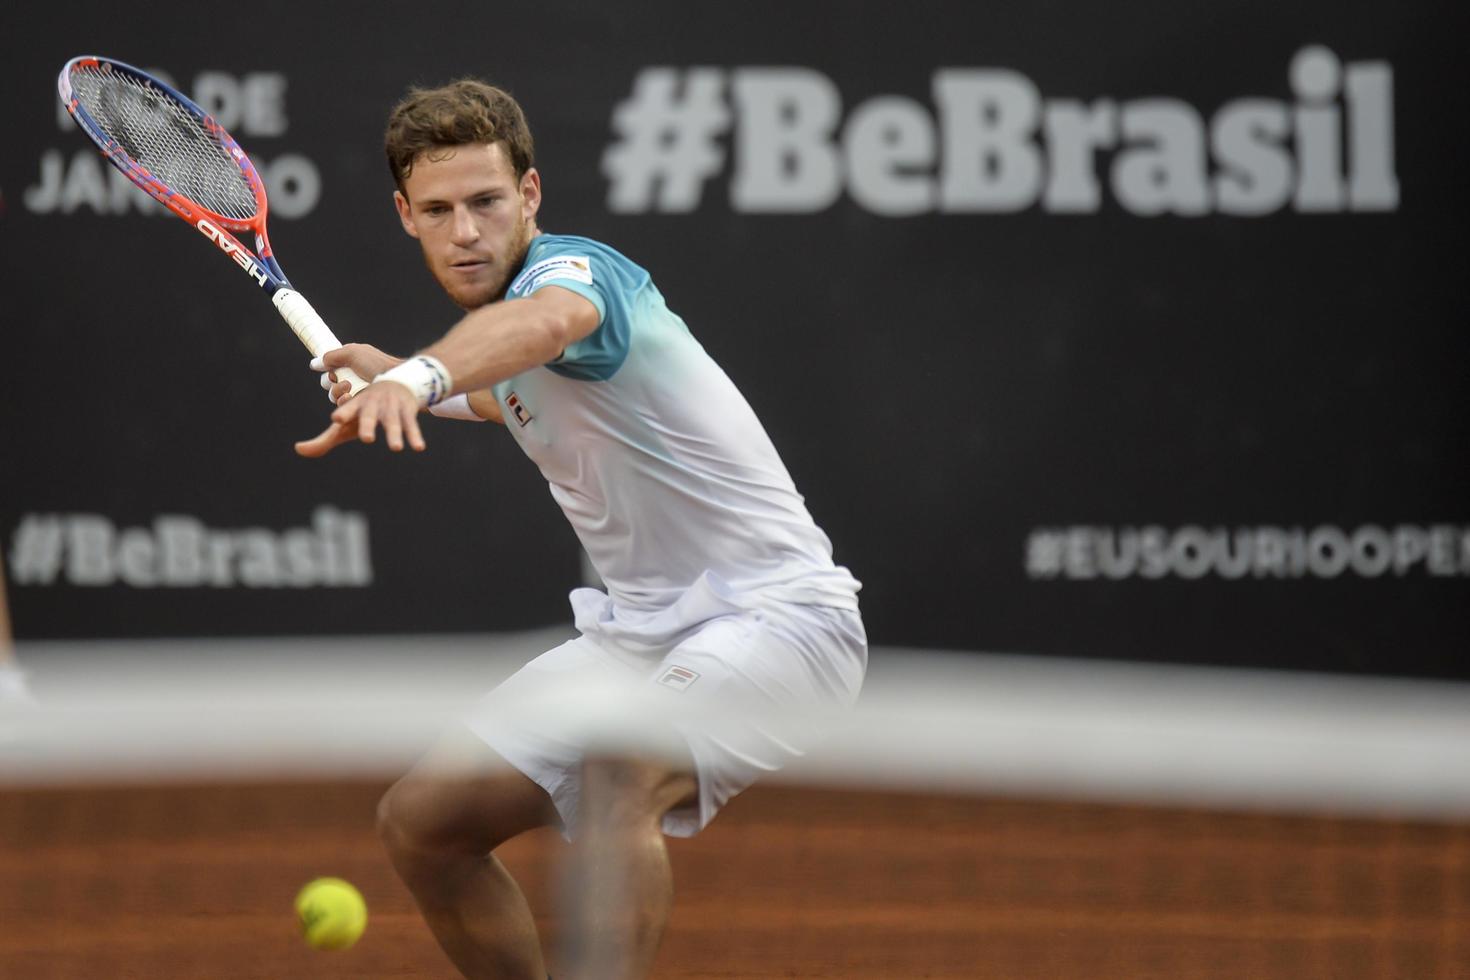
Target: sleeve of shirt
x,y
597,356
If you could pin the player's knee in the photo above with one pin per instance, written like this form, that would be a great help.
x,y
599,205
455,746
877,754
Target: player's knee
x,y
630,792
430,815
412,822
397,827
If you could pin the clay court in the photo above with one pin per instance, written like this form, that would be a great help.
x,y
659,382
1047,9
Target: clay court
x,y
188,881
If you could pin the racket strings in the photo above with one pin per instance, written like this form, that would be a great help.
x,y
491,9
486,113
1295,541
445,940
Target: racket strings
x,y
166,139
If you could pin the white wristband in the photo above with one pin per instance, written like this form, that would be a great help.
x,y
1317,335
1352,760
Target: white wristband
x,y
425,376
457,407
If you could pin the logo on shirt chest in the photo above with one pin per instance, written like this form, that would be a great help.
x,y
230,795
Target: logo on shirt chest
x,y
518,409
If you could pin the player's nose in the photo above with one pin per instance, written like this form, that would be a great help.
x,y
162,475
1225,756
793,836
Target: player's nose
x,y
464,231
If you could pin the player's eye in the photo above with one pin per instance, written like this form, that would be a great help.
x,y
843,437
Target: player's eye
x,y
486,202
436,210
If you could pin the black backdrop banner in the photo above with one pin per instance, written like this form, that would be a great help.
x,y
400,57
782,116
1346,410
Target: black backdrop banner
x,y
1130,331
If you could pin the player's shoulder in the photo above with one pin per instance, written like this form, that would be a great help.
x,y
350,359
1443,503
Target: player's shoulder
x,y
576,254
549,243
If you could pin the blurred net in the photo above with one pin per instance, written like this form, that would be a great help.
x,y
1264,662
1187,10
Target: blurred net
x,y
967,723
976,816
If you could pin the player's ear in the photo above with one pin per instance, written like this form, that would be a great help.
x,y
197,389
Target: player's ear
x,y
405,214
530,193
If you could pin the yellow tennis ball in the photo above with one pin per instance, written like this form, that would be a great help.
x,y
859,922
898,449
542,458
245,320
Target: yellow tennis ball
x,y
332,912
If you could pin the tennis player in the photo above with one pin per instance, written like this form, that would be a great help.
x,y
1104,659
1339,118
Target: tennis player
x,y
721,592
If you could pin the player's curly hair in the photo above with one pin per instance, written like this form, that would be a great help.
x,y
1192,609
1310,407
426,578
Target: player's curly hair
x,y
466,111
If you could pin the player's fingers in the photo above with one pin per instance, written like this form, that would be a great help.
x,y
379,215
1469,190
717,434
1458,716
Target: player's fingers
x,y
365,359
318,446
367,420
393,430
323,377
340,392
415,434
337,357
346,413
330,438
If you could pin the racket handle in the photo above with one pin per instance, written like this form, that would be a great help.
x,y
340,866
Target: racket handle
x,y
312,330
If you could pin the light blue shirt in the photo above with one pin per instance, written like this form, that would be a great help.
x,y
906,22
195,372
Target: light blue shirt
x,y
655,457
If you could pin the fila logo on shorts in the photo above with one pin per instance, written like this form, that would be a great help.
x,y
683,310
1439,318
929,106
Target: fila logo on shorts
x,y
678,678
518,408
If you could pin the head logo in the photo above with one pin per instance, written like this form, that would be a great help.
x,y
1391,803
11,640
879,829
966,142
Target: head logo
x,y
233,249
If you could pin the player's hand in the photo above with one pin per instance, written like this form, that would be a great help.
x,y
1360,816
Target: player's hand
x,y
386,403
367,361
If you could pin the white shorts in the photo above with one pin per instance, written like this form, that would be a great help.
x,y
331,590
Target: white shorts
x,y
747,689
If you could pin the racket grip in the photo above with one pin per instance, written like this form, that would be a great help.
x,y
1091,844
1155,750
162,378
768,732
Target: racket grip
x,y
312,330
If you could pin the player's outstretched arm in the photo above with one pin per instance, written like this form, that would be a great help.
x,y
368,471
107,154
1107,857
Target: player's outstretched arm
x,y
490,344
503,339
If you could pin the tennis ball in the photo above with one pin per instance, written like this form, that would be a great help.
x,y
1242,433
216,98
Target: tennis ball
x,y
332,912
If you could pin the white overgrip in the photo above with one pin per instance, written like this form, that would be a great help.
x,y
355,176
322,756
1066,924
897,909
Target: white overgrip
x,y
312,330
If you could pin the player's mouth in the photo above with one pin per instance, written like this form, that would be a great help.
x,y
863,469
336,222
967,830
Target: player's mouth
x,y
470,266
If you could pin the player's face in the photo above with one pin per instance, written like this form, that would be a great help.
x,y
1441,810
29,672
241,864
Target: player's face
x,y
473,218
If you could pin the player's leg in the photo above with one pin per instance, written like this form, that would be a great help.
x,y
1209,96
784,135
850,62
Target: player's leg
x,y
618,886
439,824
744,693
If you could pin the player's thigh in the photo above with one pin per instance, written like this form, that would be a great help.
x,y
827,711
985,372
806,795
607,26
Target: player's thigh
x,y
620,786
462,795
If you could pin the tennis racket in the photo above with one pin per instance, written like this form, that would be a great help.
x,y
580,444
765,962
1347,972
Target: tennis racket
x,y
180,155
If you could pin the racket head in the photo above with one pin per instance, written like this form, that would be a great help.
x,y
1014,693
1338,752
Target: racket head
x,y
165,143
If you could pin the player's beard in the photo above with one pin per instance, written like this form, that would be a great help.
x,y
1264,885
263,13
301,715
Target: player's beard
x,y
506,264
